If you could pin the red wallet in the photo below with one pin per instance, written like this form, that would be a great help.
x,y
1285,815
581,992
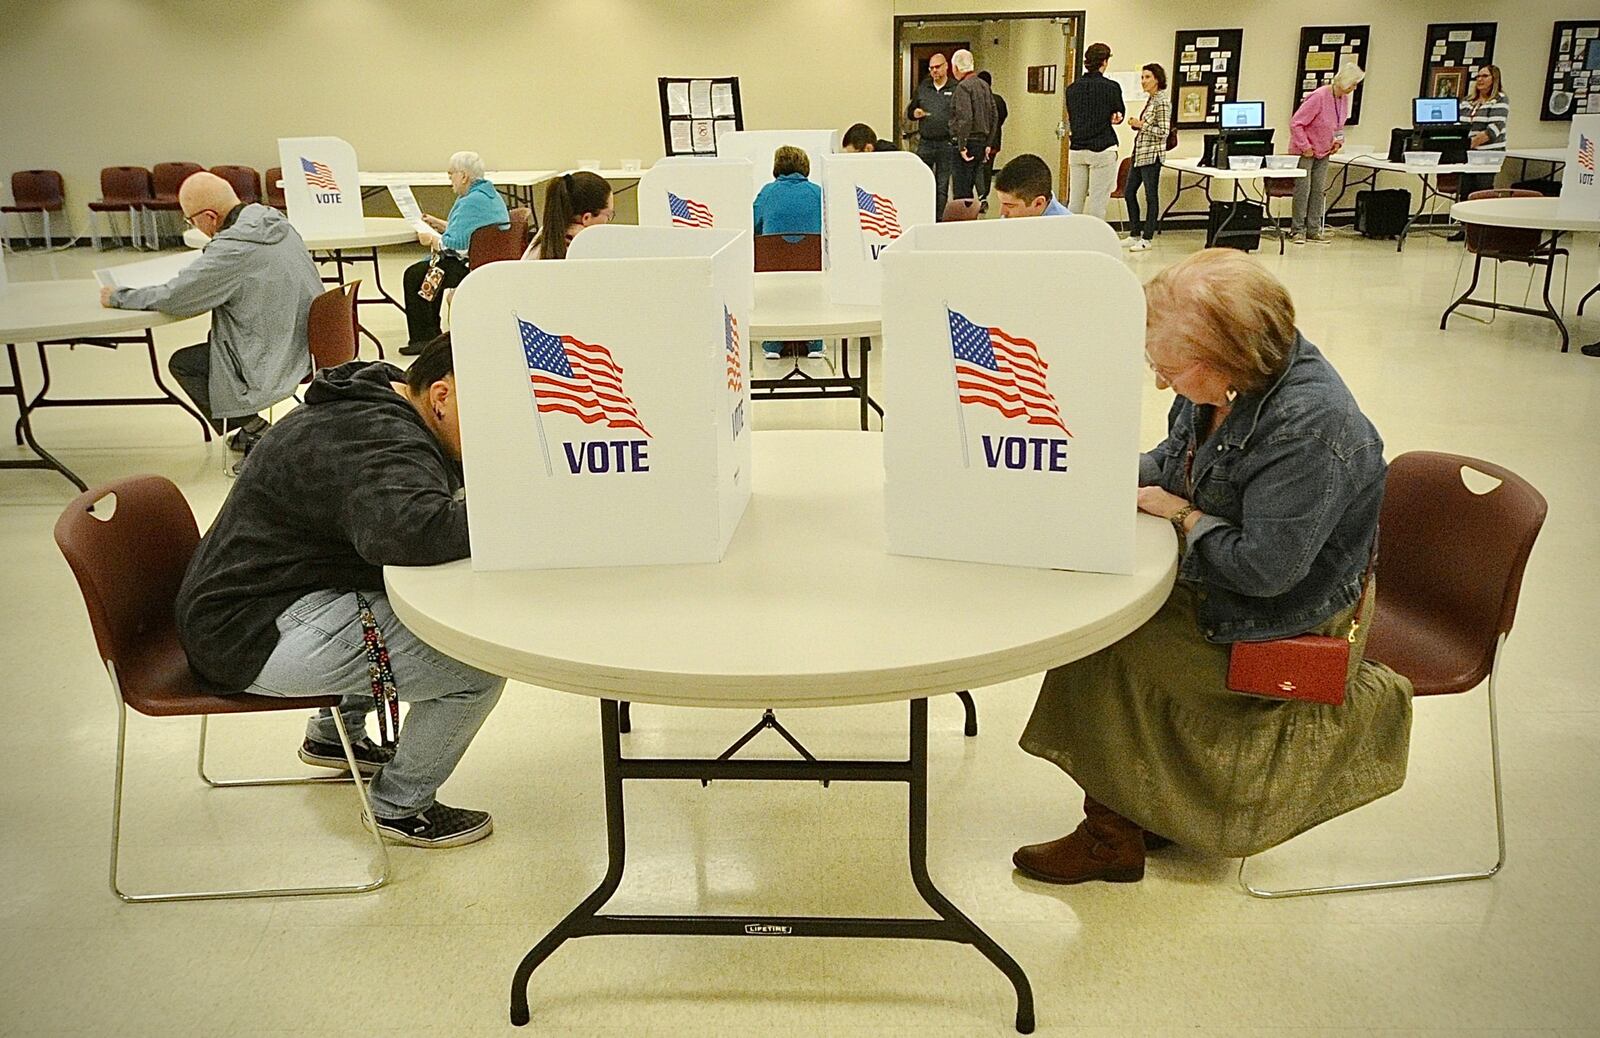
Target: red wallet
x,y
1311,667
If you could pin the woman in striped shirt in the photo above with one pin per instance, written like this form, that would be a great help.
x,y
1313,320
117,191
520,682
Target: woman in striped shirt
x,y
1485,112
1153,124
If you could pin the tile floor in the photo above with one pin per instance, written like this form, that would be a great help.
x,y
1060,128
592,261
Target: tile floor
x,y
1182,953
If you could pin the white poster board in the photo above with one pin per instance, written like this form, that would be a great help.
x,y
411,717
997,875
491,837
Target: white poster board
x,y
1072,233
1014,380
869,201
1580,184
758,145
605,401
321,185
706,193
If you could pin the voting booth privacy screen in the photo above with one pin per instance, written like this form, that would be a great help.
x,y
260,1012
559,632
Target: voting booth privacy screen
x,y
1014,378
699,194
868,201
605,401
321,185
1580,185
757,146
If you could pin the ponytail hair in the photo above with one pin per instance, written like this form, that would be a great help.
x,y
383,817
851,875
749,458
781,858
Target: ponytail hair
x,y
566,200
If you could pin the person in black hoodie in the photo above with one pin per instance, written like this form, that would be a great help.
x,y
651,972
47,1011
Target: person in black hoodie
x,y
284,595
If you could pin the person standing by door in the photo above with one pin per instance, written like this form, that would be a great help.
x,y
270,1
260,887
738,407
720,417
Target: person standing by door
x,y
931,108
1094,110
972,124
986,174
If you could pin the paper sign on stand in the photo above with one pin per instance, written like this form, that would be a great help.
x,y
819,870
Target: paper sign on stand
x,y
321,185
869,201
1580,184
605,401
712,193
1015,388
758,146
1073,233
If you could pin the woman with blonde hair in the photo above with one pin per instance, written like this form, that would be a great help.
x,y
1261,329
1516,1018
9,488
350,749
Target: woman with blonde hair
x,y
1272,479
1485,111
1316,133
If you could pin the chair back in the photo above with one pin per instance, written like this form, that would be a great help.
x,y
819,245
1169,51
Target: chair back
x,y
39,188
245,180
1504,243
273,193
960,209
1280,187
331,327
1448,184
492,245
1124,170
166,176
788,252
124,185
1449,568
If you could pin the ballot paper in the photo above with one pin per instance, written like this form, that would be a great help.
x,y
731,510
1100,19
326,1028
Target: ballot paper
x,y
406,202
145,273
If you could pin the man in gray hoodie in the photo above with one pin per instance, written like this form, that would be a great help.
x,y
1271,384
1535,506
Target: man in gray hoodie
x,y
257,279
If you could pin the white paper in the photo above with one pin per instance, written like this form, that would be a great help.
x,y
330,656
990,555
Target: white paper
x,y
1219,64
1206,42
700,98
725,126
406,202
1129,82
1588,34
1460,35
704,136
678,98
146,273
722,99
1333,37
1475,49
1438,49
682,140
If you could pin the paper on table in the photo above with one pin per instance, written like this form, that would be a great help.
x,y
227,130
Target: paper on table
x,y
682,141
705,141
700,98
677,98
406,202
722,99
145,273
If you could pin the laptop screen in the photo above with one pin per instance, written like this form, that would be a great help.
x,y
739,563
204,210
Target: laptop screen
x,y
1244,115
1429,110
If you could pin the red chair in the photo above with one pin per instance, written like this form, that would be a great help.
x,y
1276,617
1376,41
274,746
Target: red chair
x,y
166,177
788,252
492,245
1279,187
128,543
1124,170
958,209
121,188
245,180
331,327
34,191
274,189
1449,573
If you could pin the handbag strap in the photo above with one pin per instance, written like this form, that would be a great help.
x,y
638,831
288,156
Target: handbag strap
x,y
1366,584
379,674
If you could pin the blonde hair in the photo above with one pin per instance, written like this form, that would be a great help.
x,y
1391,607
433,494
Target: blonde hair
x,y
1223,308
789,159
1348,76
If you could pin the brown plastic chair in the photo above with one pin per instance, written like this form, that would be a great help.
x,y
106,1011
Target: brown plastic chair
x,y
1509,244
1124,171
273,190
121,188
34,191
128,543
1449,573
788,252
166,178
492,245
245,180
331,327
959,209
1278,187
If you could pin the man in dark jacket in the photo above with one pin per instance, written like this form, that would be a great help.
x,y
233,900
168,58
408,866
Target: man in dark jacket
x,y
986,173
973,118
285,592
1094,110
931,108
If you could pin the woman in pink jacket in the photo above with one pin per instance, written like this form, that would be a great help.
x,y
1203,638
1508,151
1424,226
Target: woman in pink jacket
x,y
1316,132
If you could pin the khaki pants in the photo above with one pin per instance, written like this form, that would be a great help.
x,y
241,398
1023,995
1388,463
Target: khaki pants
x,y
1090,177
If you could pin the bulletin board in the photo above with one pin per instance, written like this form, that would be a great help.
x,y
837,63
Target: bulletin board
x,y
1323,51
1572,82
1452,56
697,111
1205,74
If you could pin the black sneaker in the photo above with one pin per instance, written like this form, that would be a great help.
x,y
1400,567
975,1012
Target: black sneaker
x,y
412,349
331,755
438,826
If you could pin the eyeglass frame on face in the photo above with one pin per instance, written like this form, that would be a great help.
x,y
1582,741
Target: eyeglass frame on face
x,y
1166,375
189,218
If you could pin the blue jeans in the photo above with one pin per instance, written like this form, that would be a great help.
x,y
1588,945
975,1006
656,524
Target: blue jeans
x,y
320,650
1147,176
940,157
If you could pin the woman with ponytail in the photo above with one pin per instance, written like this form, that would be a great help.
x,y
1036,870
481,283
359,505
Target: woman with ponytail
x,y
572,202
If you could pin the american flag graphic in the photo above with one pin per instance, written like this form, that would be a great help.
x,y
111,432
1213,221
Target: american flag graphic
x,y
318,175
1003,372
1586,152
686,212
576,378
877,214
734,354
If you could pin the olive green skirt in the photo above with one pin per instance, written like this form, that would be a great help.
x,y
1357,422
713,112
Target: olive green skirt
x,y
1149,728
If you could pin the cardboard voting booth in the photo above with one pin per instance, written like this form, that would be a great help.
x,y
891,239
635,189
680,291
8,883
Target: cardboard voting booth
x,y
698,194
868,201
1580,184
1014,380
321,185
1075,233
605,401
757,146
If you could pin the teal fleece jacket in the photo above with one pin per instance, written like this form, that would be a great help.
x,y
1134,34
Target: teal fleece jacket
x,y
481,206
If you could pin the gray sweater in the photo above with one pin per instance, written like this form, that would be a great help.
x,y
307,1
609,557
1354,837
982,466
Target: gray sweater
x,y
257,279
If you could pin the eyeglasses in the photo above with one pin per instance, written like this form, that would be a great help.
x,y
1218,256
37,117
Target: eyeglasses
x,y
1169,375
190,218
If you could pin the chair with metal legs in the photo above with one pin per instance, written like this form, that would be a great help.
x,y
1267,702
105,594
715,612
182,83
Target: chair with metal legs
x,y
1449,571
128,543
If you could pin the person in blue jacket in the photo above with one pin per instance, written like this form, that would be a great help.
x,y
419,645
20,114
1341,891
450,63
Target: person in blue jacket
x,y
790,205
477,205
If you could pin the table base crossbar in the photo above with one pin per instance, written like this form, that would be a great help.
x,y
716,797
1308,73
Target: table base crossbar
x,y
951,925
800,385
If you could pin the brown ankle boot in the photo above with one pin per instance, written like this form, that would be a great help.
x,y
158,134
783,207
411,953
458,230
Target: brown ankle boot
x,y
1106,846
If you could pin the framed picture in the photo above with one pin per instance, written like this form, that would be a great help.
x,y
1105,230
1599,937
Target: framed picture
x,y
1194,102
1447,81
1205,66
1451,49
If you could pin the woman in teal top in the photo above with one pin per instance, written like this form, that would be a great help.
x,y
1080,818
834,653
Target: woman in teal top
x,y
477,205
791,204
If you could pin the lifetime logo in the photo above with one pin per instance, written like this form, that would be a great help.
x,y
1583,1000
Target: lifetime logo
x,y
768,930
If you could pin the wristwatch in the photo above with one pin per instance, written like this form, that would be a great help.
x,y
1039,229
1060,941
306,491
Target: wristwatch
x,y
1179,516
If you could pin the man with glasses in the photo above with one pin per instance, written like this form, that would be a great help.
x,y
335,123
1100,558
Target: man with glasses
x,y
257,280
931,108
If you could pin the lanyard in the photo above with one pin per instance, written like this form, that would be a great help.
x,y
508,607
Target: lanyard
x,y
379,675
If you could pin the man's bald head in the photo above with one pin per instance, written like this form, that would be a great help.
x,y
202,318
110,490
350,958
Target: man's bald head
x,y
207,191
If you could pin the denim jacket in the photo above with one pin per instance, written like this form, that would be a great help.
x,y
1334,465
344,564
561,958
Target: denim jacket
x,y
1290,485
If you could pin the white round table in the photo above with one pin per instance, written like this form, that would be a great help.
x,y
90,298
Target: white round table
x,y
1533,214
795,304
337,248
63,313
811,545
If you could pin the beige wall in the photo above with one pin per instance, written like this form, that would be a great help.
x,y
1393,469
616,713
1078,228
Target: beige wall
x,y
87,83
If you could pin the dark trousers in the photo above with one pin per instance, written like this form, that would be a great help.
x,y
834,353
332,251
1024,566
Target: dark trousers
x,y
940,156
1470,182
422,315
967,170
1148,177
191,369
986,177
